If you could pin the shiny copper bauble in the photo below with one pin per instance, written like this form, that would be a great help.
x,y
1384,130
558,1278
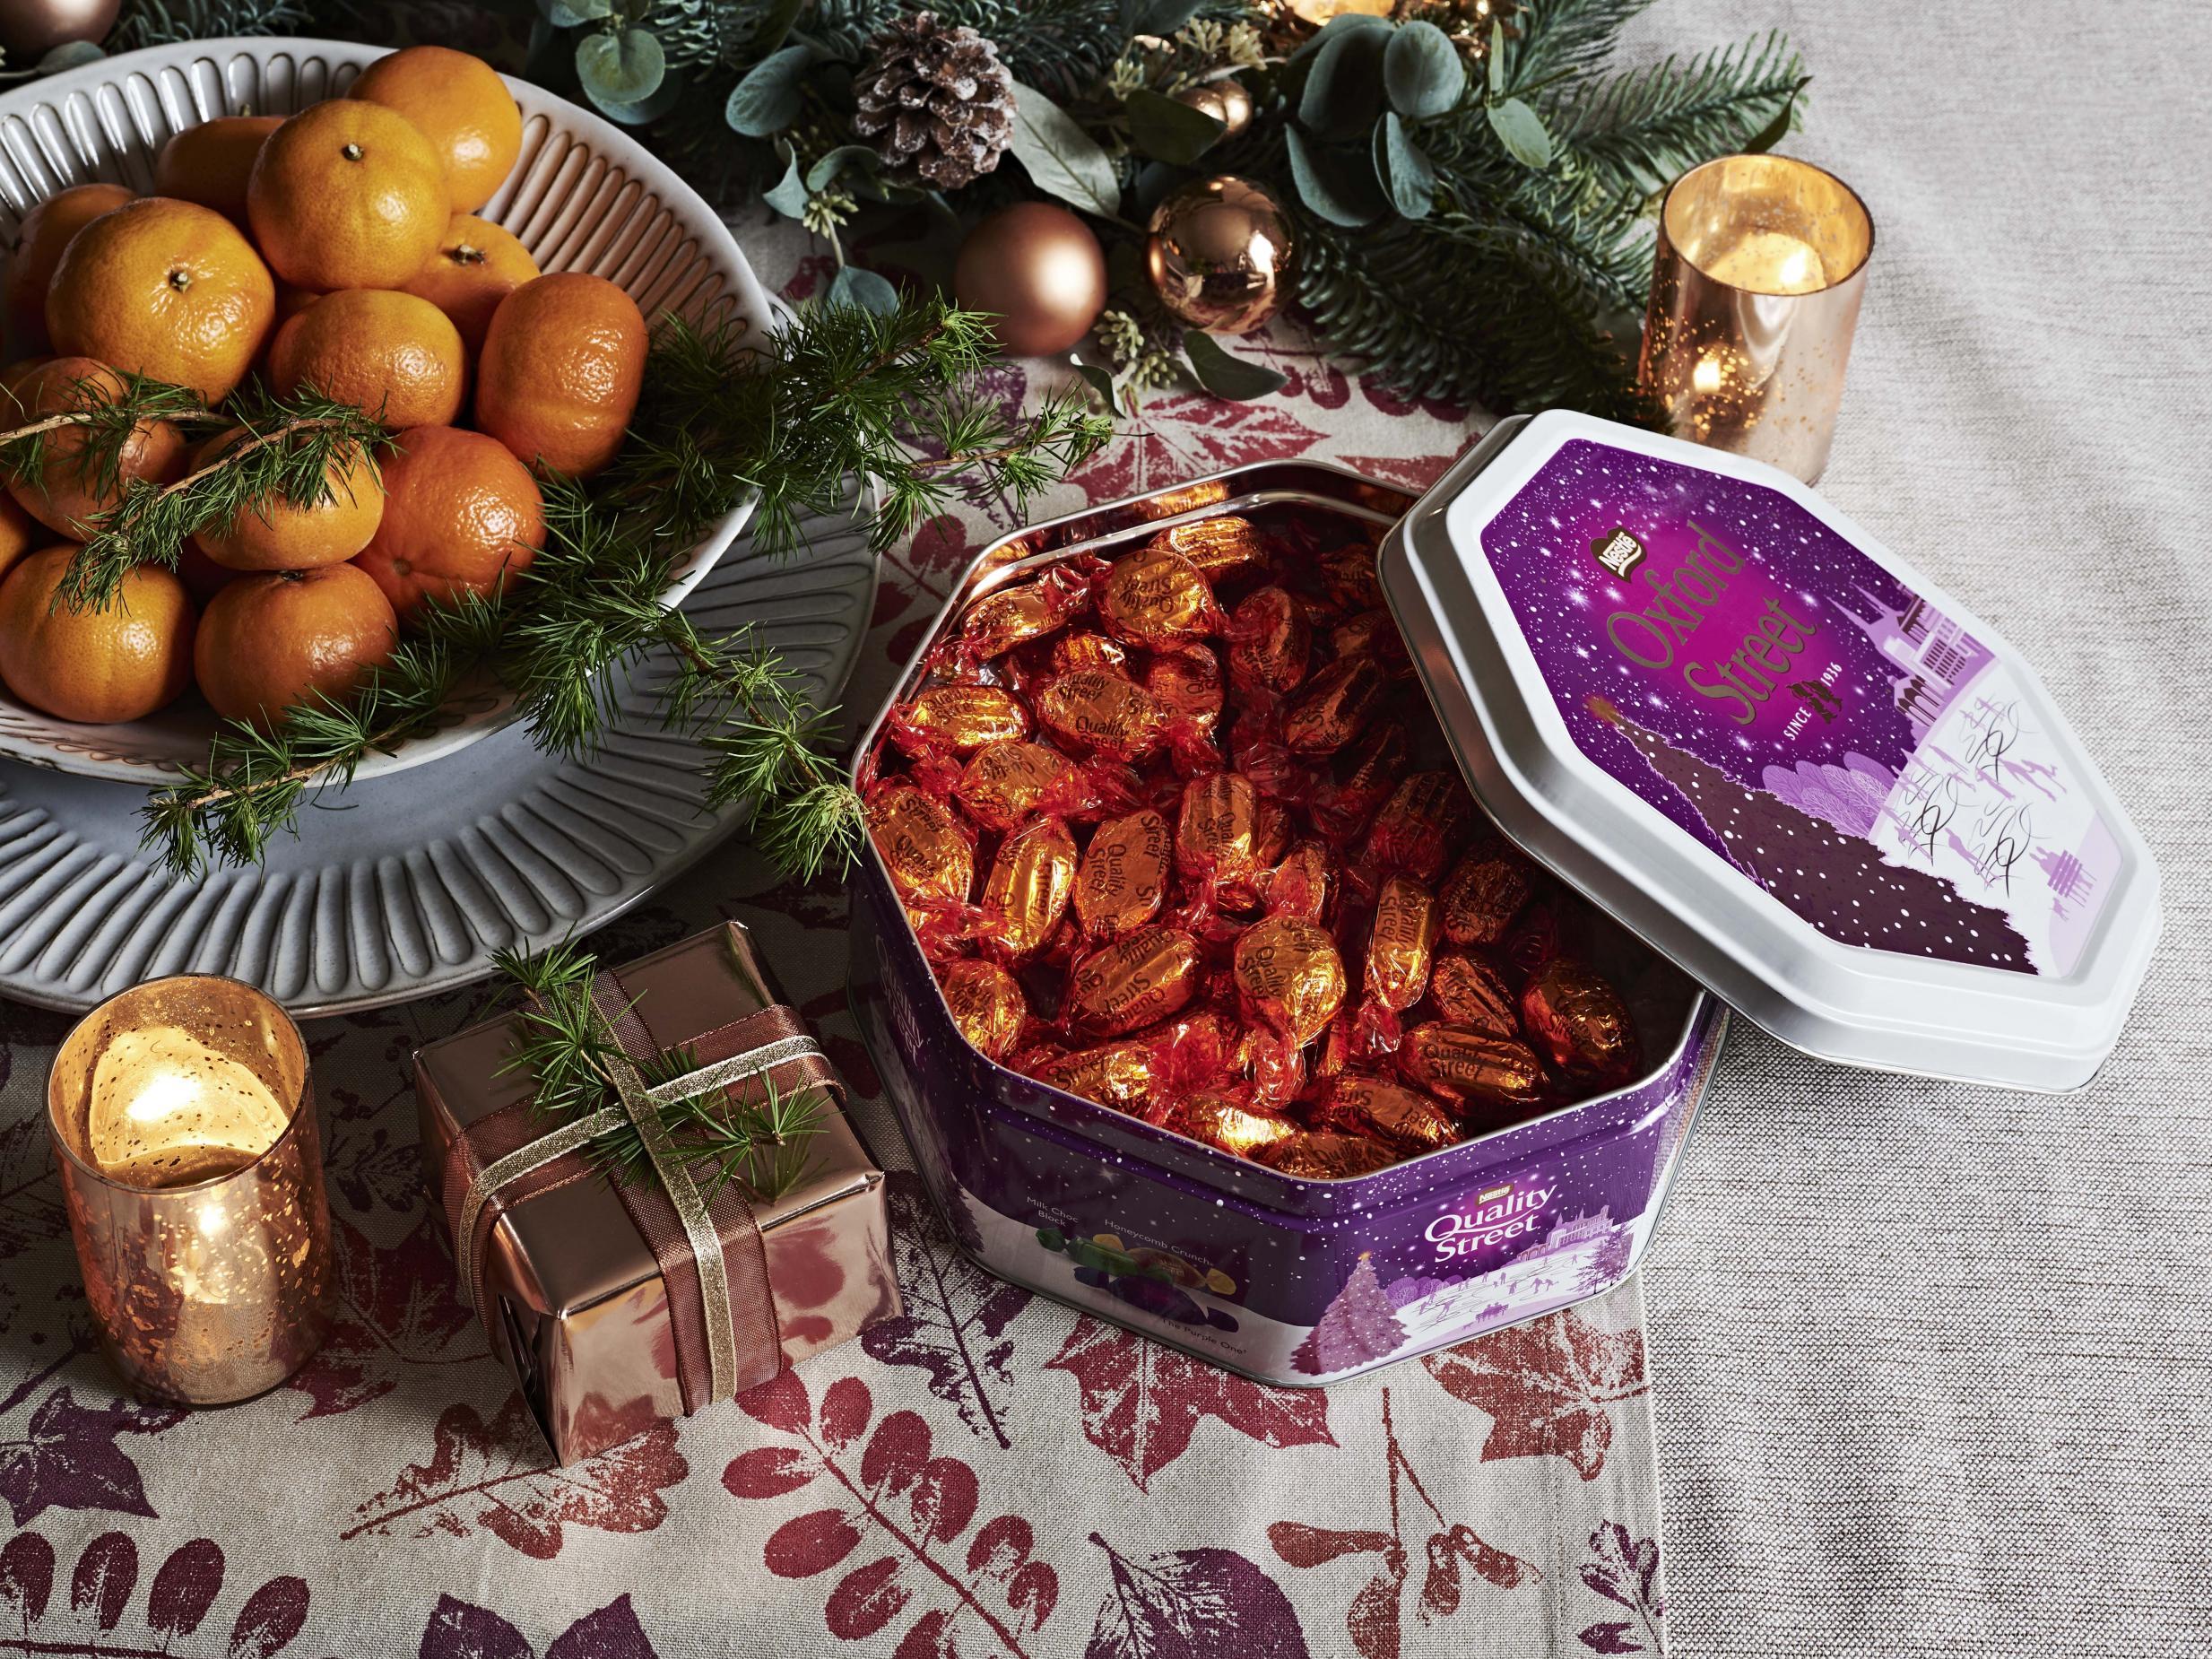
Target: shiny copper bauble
x,y
1219,255
1225,101
1039,271
31,29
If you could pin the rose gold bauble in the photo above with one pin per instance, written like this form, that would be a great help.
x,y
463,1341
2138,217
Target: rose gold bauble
x,y
1220,254
31,29
1225,101
1039,270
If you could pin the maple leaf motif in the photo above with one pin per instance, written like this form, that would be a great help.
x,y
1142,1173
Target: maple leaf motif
x,y
1413,472
1193,1604
1188,434
68,1458
401,1309
1546,1386
498,1475
956,1314
1140,1402
461,1629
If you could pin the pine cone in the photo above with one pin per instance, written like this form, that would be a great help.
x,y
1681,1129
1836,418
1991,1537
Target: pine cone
x,y
937,101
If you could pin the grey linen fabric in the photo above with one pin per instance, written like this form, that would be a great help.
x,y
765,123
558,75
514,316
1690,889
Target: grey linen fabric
x,y
1931,1363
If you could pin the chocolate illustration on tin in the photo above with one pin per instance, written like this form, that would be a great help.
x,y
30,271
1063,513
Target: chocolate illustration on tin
x,y
1802,713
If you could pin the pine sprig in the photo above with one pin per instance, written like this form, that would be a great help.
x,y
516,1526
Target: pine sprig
x,y
573,1056
1645,128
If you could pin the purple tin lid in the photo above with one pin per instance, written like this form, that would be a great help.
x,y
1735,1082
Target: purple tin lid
x,y
1781,754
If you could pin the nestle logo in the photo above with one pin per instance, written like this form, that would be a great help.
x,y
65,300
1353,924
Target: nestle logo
x,y
1618,552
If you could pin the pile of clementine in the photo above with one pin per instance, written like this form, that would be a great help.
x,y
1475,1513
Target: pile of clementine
x,y
341,250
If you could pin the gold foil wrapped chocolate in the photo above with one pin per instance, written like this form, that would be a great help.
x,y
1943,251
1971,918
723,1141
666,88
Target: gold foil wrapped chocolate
x,y
1290,975
997,622
1116,1074
922,846
1123,881
1026,892
1103,712
1349,575
1135,981
1373,633
1343,809
1578,1020
1484,893
1321,1155
1334,707
1006,783
1472,1068
987,1003
1424,818
1270,642
1405,1119
1074,653
1188,683
1223,1120
1217,831
1218,547
1400,944
1159,599
1300,885
1468,991
962,718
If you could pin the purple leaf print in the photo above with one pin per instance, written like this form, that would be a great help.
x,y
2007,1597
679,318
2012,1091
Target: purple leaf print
x,y
26,1576
106,1573
954,1313
185,1588
1193,1604
68,1458
462,1630
270,1618
1625,1570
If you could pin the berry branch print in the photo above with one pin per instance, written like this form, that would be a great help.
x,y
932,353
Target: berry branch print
x,y
1839,883
1375,1621
895,1494
94,1623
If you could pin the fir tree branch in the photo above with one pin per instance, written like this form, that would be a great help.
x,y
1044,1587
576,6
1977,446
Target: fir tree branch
x,y
1643,130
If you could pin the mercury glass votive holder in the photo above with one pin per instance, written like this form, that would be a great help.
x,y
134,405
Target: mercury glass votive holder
x,y
192,1171
1760,266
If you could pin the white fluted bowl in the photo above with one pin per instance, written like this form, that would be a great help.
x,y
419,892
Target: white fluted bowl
x,y
584,197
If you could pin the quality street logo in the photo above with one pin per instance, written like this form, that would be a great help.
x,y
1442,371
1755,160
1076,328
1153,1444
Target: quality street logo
x,y
1618,552
1495,1215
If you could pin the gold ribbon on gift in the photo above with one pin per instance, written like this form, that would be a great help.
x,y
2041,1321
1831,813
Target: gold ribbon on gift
x,y
640,1105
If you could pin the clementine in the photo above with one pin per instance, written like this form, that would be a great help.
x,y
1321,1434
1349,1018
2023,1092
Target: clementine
x,y
210,163
45,230
462,108
396,355
561,367
19,533
100,666
203,577
269,643
347,194
12,379
477,264
287,535
60,494
461,514
165,289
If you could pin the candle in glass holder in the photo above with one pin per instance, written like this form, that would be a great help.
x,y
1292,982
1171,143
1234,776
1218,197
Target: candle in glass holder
x,y
1761,263
193,1177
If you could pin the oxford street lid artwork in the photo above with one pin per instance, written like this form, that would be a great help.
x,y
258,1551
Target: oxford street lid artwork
x,y
1835,736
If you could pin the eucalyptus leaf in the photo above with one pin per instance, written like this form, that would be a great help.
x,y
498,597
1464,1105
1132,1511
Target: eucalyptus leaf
x,y
1169,131
1156,17
625,66
70,55
1405,166
853,286
1422,75
1236,378
666,96
832,166
1337,184
766,100
570,13
1343,89
1497,57
1523,133
1343,23
1062,160
789,195
1100,382
776,22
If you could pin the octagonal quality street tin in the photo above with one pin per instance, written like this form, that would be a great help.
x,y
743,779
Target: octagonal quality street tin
x,y
1289,1280
1779,754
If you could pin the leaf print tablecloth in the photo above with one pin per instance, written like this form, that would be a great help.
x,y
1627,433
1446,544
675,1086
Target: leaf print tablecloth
x,y
988,1474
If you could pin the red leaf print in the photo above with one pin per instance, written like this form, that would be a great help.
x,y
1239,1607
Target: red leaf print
x,y
1309,1546
1141,1403
896,1452
1182,435
185,1587
26,1576
498,1475
780,1403
767,1471
106,1573
931,1638
944,1499
1546,1386
845,1412
1373,1621
865,1600
1008,1539
1415,473
809,1544
273,1615
400,1310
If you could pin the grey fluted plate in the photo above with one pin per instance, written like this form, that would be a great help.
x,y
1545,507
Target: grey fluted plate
x,y
405,884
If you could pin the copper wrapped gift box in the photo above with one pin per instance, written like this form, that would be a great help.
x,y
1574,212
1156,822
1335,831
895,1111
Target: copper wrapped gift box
x,y
592,1291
